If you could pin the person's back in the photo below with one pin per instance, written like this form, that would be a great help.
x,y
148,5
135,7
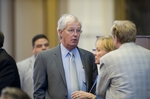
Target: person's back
x,y
124,73
9,75
131,70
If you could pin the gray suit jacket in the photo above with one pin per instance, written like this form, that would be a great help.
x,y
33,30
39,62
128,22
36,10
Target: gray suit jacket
x,y
49,76
25,68
125,73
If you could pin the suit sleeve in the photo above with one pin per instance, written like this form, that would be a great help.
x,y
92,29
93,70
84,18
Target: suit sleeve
x,y
39,77
21,73
7,74
103,80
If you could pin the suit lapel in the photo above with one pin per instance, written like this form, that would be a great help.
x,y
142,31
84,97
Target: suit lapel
x,y
58,61
85,66
32,60
83,57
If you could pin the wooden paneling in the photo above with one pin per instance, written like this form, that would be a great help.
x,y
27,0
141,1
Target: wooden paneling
x,y
51,14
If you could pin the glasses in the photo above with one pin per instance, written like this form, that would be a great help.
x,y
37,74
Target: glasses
x,y
71,31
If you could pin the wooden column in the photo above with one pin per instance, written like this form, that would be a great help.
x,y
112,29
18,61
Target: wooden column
x,y
120,11
51,19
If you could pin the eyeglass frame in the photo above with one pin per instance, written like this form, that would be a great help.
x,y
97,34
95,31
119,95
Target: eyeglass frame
x,y
72,31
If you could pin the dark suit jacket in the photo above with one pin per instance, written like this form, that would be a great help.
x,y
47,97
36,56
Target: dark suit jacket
x,y
9,75
49,77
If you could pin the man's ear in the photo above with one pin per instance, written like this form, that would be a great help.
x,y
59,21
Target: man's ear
x,y
33,50
60,32
116,42
115,39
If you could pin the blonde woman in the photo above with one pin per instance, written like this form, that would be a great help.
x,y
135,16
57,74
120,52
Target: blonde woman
x,y
103,45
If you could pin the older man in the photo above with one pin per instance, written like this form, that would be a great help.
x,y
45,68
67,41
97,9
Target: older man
x,y
53,68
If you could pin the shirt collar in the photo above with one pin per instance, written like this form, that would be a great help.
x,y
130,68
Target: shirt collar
x,y
64,51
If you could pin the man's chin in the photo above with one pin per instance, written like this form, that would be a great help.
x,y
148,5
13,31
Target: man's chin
x,y
75,43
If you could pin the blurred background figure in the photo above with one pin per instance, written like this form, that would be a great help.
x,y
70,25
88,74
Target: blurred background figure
x,y
124,72
39,43
9,75
104,44
13,93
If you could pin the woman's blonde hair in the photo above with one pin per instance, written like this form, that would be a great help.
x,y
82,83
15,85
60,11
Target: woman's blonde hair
x,y
106,42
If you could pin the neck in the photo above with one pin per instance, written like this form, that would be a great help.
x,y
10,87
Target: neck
x,y
118,45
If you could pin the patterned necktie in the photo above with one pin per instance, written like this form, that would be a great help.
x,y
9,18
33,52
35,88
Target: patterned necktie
x,y
73,74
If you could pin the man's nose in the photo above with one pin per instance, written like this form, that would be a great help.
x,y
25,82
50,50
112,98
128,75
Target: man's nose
x,y
43,47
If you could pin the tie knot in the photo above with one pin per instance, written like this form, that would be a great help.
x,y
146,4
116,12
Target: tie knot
x,y
71,54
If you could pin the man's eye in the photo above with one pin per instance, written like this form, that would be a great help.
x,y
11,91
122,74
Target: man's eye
x,y
78,31
46,45
39,46
71,30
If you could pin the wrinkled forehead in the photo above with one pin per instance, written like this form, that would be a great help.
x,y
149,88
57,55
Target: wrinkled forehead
x,y
73,24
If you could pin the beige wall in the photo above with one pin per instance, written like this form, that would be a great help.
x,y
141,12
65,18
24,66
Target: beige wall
x,y
51,17
6,24
28,22
26,18
20,20
96,16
